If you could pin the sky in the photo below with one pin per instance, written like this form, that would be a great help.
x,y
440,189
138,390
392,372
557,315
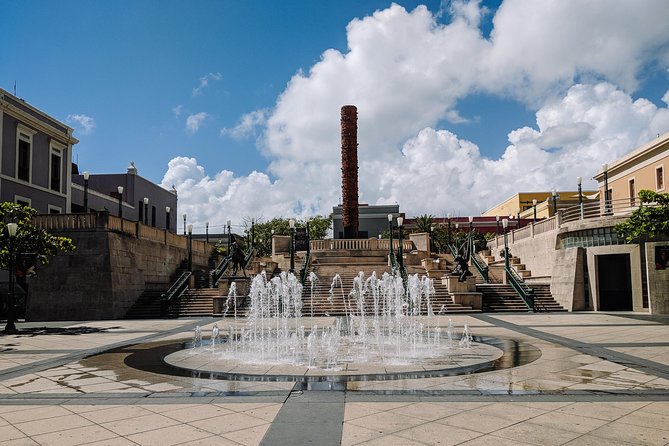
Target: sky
x,y
461,104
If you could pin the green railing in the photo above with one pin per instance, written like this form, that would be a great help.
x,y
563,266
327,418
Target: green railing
x,y
172,296
520,287
216,273
248,257
305,268
481,267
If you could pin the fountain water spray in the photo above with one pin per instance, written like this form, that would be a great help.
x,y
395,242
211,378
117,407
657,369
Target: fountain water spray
x,y
382,324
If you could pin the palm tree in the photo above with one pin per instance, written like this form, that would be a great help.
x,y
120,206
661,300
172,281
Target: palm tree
x,y
424,223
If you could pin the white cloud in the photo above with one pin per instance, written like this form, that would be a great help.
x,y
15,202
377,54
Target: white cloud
x,y
435,171
247,125
204,82
406,73
85,124
177,110
193,122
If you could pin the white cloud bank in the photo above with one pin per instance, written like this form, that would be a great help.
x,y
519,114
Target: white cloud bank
x,y
575,63
84,124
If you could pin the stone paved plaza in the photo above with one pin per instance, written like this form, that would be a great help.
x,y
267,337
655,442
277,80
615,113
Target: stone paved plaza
x,y
600,379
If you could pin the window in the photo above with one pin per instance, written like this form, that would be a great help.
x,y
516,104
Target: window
x,y
153,216
140,205
55,209
659,178
55,173
632,192
23,156
23,201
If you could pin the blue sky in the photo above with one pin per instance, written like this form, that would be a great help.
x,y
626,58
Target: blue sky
x,y
461,104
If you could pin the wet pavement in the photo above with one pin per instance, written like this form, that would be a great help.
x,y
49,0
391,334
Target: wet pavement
x,y
590,378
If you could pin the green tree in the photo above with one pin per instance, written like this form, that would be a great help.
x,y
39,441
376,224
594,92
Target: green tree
x,y
647,221
28,239
264,230
424,223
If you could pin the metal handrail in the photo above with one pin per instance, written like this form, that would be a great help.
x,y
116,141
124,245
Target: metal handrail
x,y
618,207
216,273
520,287
174,293
480,267
247,258
305,267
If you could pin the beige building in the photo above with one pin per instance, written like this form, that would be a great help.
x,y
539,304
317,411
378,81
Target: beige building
x,y
644,168
589,266
522,204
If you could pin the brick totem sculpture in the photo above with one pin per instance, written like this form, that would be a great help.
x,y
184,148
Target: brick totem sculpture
x,y
349,170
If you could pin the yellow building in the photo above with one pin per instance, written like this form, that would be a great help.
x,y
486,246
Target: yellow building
x,y
644,168
523,203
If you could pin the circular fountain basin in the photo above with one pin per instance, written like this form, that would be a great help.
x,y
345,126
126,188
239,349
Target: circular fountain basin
x,y
353,362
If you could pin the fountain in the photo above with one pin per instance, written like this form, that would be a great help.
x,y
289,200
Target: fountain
x,y
383,331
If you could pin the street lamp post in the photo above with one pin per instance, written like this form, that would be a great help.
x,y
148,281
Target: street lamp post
x,y
86,176
555,197
167,218
471,234
206,232
190,248
534,207
390,246
253,222
505,224
229,236
579,180
146,210
448,235
605,168
291,223
119,189
11,315
497,222
518,216
432,237
184,224
400,251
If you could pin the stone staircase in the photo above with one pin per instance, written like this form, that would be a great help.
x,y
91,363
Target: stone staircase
x,y
195,302
147,306
348,266
198,302
499,297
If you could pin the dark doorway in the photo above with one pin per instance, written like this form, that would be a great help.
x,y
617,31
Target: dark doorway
x,y
615,282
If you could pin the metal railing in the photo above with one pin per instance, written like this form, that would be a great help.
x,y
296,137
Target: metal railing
x,y
305,267
172,296
248,257
481,267
619,207
520,287
216,273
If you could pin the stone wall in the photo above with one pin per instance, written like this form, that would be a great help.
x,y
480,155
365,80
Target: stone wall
x,y
658,281
103,277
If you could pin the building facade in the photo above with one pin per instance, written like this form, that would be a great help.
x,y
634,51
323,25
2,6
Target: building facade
x,y
372,220
644,168
140,199
35,157
521,205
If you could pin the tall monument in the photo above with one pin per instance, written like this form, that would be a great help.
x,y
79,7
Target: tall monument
x,y
349,170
